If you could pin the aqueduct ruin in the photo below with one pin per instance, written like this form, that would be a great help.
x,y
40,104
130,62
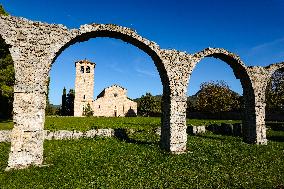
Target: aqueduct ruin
x,y
34,46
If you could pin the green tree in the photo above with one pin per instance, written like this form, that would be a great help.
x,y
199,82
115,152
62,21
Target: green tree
x,y
148,105
2,11
7,77
63,103
216,97
70,102
88,111
275,92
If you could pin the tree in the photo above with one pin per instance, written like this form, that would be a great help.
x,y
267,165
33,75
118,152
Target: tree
x,y
70,102
2,11
7,77
88,111
63,103
275,92
148,105
216,97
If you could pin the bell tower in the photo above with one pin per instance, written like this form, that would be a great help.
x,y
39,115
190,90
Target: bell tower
x,y
84,86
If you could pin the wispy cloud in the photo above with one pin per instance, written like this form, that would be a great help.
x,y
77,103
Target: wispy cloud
x,y
268,44
115,67
146,72
140,67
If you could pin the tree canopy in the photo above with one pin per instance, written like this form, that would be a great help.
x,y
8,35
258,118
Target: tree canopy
x,y
215,97
275,93
149,105
7,77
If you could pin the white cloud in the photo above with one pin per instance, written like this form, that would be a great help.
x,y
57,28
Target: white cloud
x,y
268,44
146,72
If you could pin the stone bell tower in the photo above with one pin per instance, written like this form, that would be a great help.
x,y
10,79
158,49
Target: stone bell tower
x,y
84,86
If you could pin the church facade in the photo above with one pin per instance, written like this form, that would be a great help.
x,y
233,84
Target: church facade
x,y
111,102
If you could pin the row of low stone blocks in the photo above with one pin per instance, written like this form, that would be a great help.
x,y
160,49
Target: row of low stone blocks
x,y
224,129
5,135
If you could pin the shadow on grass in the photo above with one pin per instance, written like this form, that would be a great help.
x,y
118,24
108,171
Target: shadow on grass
x,y
276,138
142,124
211,137
121,134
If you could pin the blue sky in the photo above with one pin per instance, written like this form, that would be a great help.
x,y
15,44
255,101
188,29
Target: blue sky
x,y
252,29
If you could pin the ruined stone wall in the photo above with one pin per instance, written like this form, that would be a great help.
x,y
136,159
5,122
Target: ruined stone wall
x,y
36,45
114,103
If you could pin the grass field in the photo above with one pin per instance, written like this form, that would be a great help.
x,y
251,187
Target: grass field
x,y
212,161
87,123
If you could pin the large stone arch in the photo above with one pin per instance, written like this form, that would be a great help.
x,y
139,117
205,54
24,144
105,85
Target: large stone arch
x,y
164,60
35,46
252,119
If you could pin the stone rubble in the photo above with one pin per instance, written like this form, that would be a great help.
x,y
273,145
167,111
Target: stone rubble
x,y
5,135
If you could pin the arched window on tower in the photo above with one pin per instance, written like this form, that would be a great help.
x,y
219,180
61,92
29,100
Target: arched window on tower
x,y
82,69
84,96
88,69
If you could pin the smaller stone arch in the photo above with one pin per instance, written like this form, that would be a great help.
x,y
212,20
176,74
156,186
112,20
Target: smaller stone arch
x,y
228,57
253,114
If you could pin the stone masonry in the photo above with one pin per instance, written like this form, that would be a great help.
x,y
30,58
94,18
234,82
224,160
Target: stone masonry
x,y
34,46
113,102
84,86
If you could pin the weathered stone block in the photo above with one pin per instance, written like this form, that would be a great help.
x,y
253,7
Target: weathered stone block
x,y
5,136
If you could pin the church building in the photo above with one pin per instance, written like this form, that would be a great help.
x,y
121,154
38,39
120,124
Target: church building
x,y
111,102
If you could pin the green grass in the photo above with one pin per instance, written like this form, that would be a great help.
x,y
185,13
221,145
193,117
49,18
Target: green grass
x,y
6,124
212,161
87,123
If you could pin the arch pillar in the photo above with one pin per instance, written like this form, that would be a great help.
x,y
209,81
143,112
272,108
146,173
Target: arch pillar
x,y
254,130
29,104
27,136
173,131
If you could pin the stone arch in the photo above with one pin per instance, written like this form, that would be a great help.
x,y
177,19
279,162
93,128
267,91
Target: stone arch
x,y
241,72
229,58
89,31
234,61
159,56
36,45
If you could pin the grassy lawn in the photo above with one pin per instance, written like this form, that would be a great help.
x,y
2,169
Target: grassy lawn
x,y
87,123
213,161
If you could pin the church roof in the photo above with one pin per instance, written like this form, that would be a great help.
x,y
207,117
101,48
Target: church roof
x,y
103,91
85,61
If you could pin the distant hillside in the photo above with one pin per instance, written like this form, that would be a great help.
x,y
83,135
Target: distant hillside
x,y
55,106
